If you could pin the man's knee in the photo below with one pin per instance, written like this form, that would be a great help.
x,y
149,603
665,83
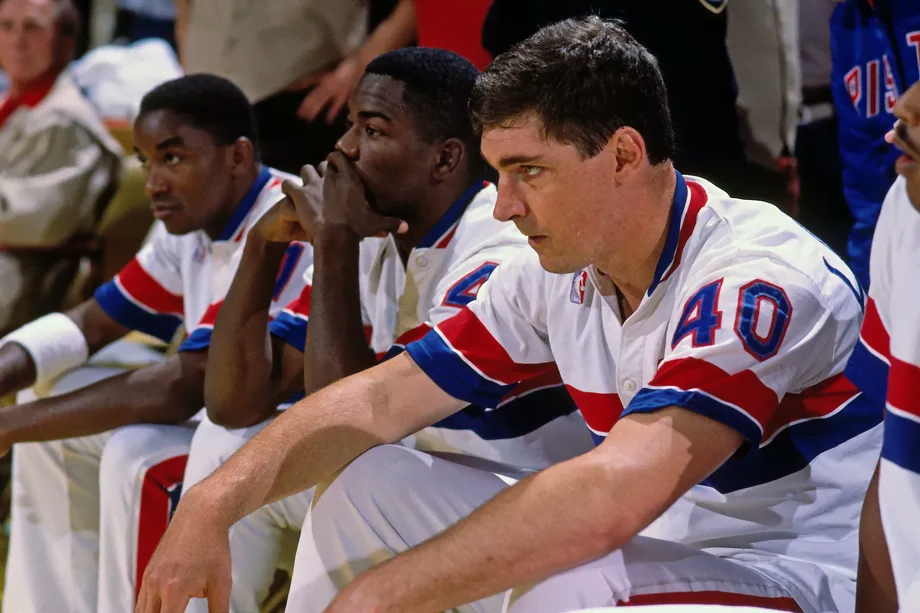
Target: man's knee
x,y
127,456
214,444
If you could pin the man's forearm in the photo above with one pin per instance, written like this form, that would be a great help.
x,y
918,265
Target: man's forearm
x,y
336,345
319,435
17,370
581,509
494,549
239,386
875,588
165,393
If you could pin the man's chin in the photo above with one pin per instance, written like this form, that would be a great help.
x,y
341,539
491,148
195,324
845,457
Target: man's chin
x,y
178,226
913,190
557,265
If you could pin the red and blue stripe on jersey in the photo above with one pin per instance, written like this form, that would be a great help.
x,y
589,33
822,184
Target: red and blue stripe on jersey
x,y
892,383
784,436
136,300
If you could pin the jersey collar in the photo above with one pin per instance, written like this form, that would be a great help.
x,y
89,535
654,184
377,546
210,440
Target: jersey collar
x,y
245,206
441,233
688,201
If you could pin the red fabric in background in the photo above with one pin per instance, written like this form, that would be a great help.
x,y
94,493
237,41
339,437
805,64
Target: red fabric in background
x,y
30,98
455,25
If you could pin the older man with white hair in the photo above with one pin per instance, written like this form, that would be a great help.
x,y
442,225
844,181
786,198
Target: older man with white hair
x,y
58,164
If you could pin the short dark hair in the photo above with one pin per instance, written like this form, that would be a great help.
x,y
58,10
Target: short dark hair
x,y
585,79
437,91
209,103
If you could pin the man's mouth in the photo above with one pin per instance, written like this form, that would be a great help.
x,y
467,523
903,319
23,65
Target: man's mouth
x,y
164,209
904,142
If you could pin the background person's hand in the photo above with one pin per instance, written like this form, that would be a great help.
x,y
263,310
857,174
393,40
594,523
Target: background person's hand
x,y
331,91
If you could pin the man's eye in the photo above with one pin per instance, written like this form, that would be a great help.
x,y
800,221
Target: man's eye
x,y
171,159
530,171
371,131
145,163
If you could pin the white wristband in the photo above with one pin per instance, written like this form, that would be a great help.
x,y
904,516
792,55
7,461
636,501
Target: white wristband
x,y
55,343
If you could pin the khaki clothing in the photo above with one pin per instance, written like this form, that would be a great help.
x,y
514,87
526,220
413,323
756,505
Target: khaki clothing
x,y
264,47
58,167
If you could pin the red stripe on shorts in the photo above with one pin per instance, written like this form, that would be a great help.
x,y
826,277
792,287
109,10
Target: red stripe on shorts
x,y
727,599
155,509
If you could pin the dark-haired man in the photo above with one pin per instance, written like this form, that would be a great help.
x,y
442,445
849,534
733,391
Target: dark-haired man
x,y
886,366
412,151
703,338
207,188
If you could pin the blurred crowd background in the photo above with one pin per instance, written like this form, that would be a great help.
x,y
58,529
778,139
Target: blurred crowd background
x,y
781,100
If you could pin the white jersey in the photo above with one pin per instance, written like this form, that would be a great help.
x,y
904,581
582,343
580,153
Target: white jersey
x,y
176,280
886,366
533,425
749,321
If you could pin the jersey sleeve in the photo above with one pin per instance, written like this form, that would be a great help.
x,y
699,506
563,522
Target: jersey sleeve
x,y
869,364
741,337
288,285
494,341
146,295
291,323
897,250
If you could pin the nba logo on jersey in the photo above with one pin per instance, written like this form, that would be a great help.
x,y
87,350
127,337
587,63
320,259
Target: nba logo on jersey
x,y
579,282
174,492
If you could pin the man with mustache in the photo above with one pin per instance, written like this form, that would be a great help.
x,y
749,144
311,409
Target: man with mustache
x,y
886,366
196,136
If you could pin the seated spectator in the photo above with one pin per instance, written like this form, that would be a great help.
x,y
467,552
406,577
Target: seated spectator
x,y
58,165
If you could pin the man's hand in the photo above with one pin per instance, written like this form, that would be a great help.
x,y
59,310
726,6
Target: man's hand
x,y
345,202
332,90
307,199
192,561
280,224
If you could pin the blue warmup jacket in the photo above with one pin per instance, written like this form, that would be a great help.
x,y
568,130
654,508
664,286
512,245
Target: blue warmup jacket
x,y
876,56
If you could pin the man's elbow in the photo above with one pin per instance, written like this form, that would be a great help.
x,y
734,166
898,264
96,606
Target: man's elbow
x,y
227,415
235,408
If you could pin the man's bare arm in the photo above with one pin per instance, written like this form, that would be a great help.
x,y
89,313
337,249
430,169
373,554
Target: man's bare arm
x,y
250,371
582,509
321,434
17,369
164,393
336,345
875,589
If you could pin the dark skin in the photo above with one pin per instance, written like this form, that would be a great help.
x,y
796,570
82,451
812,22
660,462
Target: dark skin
x,y
193,184
383,178
875,587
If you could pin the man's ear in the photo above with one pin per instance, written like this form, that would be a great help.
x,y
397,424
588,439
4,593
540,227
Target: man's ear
x,y
449,157
242,156
628,146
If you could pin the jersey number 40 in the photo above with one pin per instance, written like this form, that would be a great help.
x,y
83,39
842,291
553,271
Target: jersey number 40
x,y
757,300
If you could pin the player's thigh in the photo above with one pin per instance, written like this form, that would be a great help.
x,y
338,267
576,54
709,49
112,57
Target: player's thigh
x,y
649,571
212,445
144,452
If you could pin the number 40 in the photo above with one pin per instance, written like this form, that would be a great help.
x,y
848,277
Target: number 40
x,y
701,317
